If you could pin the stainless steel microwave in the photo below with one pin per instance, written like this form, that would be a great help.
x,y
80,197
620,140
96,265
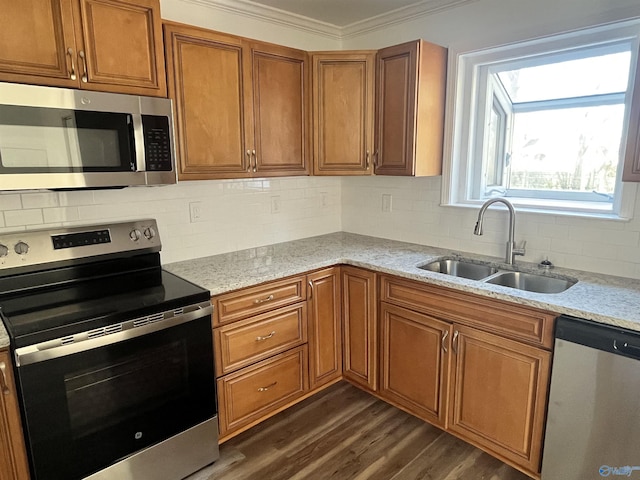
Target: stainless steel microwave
x,y
57,138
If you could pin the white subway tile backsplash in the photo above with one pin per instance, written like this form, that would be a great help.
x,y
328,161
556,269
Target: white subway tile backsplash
x,y
10,201
60,215
561,238
237,214
15,218
39,200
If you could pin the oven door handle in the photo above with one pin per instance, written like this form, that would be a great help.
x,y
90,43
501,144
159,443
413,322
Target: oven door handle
x,y
109,335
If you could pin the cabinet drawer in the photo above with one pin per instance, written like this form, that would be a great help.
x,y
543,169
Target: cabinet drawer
x,y
250,393
252,301
248,341
527,324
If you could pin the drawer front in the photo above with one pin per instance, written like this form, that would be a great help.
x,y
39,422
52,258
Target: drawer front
x,y
526,324
249,394
252,301
248,341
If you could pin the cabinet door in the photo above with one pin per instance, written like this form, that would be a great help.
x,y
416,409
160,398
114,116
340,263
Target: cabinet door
x,y
280,108
498,395
207,85
325,327
120,46
13,459
410,109
360,327
343,95
37,43
414,362
631,172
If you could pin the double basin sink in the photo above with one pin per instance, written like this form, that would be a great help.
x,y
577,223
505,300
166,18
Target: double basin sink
x,y
486,273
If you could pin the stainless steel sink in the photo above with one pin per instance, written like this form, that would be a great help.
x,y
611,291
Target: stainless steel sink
x,y
459,268
531,282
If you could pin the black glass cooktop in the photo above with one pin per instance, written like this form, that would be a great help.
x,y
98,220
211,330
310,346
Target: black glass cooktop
x,y
37,314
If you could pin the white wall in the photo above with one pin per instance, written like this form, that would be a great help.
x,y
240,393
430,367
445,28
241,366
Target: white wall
x,y
236,214
595,245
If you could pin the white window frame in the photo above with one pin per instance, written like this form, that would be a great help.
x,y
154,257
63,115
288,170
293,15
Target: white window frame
x,y
461,179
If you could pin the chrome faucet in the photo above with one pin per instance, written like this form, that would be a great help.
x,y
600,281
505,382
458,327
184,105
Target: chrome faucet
x,y
512,251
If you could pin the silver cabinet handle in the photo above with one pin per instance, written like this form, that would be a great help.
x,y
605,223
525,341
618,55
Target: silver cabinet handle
x,y
255,161
264,389
4,385
375,158
454,342
262,300
248,153
368,160
443,341
85,77
72,75
266,337
311,290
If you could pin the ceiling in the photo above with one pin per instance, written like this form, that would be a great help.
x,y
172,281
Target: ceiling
x,y
339,13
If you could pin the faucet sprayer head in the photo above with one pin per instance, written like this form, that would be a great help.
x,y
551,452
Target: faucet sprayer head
x,y
478,229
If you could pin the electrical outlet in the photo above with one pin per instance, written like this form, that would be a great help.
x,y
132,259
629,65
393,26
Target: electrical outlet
x,y
195,211
324,199
275,204
386,202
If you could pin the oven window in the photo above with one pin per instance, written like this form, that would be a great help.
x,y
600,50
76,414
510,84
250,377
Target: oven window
x,y
95,399
51,140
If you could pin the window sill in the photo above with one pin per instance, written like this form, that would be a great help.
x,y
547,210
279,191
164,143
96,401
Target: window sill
x,y
548,210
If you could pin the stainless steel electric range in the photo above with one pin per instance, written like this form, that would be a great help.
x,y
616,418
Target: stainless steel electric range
x,y
113,356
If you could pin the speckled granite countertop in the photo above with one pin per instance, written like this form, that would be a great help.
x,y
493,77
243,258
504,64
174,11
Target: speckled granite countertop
x,y
603,298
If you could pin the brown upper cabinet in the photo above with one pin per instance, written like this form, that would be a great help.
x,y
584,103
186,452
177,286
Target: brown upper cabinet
x,y
343,99
241,106
410,89
631,172
105,45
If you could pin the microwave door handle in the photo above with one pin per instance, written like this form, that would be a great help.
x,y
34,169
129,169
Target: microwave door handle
x,y
138,135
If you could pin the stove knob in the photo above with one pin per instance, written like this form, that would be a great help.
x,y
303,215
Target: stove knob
x,y
4,251
135,235
149,233
21,248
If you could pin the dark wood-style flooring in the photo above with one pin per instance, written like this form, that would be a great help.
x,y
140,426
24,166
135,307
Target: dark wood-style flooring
x,y
344,433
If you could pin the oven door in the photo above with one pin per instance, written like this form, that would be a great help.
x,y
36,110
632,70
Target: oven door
x,y
91,403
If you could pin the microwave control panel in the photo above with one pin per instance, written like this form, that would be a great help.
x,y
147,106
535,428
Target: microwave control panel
x,y
157,143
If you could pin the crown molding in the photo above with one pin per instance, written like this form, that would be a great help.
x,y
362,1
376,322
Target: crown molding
x,y
247,8
276,16
400,15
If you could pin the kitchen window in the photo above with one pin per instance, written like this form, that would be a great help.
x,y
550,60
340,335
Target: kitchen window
x,y
544,122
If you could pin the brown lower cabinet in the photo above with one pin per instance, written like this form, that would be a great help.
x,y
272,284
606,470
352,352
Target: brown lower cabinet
x,y
359,317
325,327
476,367
498,395
493,355
414,362
13,458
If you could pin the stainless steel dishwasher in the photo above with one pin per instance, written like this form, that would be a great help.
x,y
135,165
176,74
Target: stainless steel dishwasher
x,y
593,425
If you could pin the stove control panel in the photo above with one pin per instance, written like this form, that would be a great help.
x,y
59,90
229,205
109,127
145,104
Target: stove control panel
x,y
37,247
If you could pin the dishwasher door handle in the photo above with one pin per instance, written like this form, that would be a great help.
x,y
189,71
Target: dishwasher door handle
x,y
626,346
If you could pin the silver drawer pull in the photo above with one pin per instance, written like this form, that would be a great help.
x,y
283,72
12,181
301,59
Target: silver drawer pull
x,y
266,337
264,389
4,384
261,300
